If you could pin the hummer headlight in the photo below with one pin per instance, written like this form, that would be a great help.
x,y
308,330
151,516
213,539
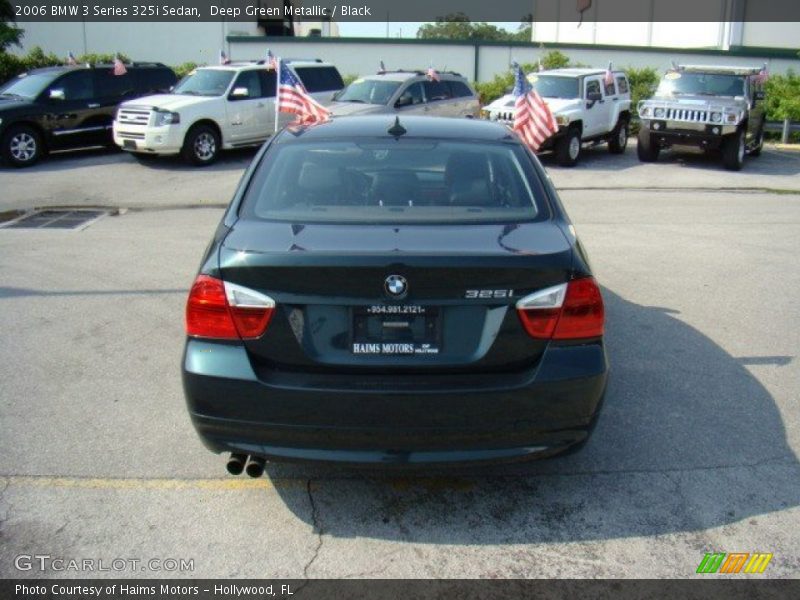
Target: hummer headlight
x,y
164,117
716,117
659,113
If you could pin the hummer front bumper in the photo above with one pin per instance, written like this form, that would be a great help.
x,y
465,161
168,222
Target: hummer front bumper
x,y
702,135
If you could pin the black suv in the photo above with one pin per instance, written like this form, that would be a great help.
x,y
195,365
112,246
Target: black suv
x,y
57,108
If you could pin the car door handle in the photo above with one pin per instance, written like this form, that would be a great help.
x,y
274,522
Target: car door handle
x,y
93,105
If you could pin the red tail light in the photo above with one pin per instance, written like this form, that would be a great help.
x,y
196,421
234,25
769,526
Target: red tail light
x,y
568,311
222,310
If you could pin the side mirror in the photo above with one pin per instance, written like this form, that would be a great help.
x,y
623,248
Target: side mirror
x,y
240,93
593,97
57,95
759,96
404,101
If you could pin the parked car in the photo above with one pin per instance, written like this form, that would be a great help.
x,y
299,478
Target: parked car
x,y
215,108
711,107
394,290
57,108
586,109
408,93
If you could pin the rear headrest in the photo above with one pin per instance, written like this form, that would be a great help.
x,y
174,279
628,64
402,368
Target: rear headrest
x,y
466,166
315,178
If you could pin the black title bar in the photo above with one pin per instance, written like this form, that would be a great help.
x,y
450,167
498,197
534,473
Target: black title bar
x,y
410,10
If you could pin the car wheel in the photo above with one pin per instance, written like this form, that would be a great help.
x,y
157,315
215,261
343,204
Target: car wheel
x,y
568,148
201,146
646,150
733,151
759,146
22,146
619,137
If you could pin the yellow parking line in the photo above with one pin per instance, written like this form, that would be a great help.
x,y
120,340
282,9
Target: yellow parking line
x,y
398,484
106,483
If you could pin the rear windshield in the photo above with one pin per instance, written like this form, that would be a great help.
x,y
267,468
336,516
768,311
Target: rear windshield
x,y
368,91
395,181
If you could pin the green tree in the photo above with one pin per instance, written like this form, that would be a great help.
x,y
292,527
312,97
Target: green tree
x,y
10,34
783,97
643,83
457,26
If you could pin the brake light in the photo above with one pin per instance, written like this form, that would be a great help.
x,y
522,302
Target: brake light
x,y
222,310
567,311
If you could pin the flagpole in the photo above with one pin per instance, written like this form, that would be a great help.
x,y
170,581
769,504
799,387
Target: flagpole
x,y
277,90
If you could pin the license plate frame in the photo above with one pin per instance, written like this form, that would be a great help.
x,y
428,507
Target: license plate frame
x,y
396,330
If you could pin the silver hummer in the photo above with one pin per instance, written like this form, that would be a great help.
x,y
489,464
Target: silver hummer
x,y
711,107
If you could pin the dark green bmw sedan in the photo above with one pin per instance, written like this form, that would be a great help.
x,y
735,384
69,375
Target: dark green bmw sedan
x,y
394,292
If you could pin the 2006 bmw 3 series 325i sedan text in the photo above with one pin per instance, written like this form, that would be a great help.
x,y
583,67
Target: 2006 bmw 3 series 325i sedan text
x,y
385,291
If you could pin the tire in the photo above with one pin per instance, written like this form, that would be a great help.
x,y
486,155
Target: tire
x,y
733,151
568,148
22,146
618,140
646,150
201,146
756,150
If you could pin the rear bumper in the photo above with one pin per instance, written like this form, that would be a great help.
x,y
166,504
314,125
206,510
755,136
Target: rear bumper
x,y
429,419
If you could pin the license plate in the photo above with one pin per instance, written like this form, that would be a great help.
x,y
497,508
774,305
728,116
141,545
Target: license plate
x,y
396,330
129,144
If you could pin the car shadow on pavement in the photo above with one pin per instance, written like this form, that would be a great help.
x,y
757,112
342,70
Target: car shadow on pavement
x,y
688,440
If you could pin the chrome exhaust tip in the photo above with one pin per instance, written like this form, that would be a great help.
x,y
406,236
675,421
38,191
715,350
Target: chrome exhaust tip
x,y
236,463
255,466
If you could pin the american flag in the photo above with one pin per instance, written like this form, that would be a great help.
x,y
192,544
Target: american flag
x,y
119,67
762,75
533,120
432,74
71,60
293,98
609,77
272,60
223,58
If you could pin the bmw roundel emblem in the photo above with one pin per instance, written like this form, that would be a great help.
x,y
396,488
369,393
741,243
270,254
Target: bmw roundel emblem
x,y
395,286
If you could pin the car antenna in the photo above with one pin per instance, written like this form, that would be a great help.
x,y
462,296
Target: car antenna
x,y
397,130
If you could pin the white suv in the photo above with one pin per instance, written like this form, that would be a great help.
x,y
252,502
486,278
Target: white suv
x,y
214,108
586,108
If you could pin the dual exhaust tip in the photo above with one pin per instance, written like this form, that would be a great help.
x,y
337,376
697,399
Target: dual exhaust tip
x,y
253,465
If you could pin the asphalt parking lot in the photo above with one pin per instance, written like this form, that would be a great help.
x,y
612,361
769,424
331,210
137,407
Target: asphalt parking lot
x,y
696,450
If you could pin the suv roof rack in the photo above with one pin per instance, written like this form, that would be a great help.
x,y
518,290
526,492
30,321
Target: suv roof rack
x,y
418,72
127,64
